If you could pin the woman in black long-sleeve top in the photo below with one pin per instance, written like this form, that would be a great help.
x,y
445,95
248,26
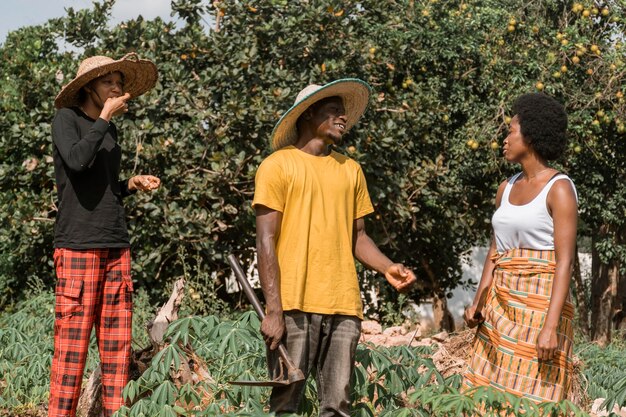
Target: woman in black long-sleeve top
x,y
92,248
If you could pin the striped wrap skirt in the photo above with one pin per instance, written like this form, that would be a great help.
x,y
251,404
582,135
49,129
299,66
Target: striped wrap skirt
x,y
504,354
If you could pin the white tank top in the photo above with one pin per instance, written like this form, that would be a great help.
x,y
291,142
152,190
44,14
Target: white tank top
x,y
528,226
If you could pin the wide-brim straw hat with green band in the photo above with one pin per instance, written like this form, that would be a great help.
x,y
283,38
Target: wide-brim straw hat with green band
x,y
140,75
355,94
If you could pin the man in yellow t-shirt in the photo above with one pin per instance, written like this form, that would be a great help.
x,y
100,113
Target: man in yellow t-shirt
x,y
310,203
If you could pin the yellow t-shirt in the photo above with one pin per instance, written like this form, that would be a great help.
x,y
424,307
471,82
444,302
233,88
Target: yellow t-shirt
x,y
319,198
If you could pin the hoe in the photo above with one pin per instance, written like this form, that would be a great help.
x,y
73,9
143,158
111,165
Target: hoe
x,y
294,374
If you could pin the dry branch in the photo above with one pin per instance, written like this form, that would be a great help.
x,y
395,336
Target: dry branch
x,y
167,314
90,402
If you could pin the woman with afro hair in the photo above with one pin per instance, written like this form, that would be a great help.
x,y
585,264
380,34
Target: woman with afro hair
x,y
523,344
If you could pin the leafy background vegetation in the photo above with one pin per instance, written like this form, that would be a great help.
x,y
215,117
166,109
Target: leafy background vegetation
x,y
444,74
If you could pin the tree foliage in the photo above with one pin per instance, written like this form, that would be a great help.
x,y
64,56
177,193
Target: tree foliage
x,y
444,74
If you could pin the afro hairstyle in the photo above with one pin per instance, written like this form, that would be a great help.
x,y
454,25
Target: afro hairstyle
x,y
543,124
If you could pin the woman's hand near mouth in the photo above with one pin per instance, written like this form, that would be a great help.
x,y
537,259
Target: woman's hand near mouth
x,y
114,107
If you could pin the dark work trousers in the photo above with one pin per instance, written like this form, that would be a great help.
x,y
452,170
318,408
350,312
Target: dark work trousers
x,y
326,344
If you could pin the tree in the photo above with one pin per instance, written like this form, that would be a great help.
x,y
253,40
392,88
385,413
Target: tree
x,y
444,74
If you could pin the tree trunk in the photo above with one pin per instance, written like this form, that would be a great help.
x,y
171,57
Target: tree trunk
x,y
604,280
581,299
619,318
441,315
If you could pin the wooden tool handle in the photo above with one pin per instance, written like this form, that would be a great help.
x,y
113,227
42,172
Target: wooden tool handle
x,y
254,300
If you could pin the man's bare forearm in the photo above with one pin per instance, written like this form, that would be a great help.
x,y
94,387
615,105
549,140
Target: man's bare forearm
x,y
366,251
267,232
269,274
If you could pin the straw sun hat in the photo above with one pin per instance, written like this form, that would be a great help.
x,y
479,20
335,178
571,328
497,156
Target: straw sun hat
x,y
354,93
140,75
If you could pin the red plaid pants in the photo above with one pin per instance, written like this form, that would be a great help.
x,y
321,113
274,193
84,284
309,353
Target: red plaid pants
x,y
93,287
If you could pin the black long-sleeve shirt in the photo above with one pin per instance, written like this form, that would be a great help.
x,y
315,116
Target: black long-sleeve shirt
x,y
87,165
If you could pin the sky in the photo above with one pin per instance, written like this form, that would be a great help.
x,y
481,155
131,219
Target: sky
x,y
18,13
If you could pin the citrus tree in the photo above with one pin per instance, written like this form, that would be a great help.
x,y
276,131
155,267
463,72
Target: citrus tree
x,y
444,74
